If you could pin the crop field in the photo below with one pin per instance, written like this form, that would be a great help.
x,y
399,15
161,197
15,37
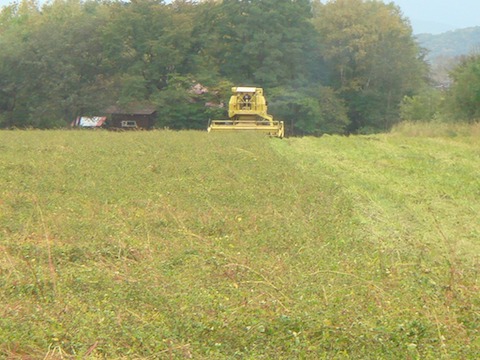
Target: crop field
x,y
188,245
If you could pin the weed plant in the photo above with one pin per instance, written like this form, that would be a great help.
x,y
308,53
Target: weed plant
x,y
162,245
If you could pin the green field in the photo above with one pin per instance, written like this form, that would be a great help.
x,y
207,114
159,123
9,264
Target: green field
x,y
188,245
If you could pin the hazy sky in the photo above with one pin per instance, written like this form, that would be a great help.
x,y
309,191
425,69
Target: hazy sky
x,y
434,16
440,15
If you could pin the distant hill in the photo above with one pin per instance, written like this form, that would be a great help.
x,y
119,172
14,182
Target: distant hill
x,y
452,43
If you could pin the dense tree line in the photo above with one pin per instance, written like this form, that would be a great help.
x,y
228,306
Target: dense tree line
x,y
454,98
343,66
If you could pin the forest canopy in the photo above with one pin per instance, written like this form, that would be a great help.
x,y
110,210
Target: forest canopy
x,y
344,66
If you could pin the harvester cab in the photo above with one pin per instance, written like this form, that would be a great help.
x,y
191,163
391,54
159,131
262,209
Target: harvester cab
x,y
247,111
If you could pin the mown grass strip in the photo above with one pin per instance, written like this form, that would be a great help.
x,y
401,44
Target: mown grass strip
x,y
414,200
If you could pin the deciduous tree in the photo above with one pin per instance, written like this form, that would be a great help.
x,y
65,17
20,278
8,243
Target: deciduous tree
x,y
267,42
373,58
464,95
310,111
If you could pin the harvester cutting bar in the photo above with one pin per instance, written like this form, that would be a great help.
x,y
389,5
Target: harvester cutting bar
x,y
272,128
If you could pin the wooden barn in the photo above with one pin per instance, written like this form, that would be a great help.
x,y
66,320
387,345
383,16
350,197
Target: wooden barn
x,y
140,118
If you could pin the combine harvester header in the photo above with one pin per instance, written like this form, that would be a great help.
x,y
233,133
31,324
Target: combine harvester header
x,y
247,111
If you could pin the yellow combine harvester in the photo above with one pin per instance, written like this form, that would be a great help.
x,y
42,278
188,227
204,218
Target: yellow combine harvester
x,y
247,110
